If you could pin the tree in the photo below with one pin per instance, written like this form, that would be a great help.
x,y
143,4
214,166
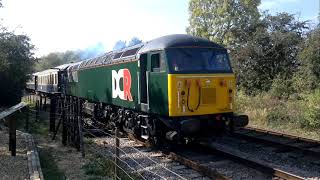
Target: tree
x,y
57,58
228,22
16,62
271,52
308,76
134,41
119,45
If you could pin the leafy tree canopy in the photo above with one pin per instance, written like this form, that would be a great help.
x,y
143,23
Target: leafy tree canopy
x,y
271,51
16,62
56,59
226,22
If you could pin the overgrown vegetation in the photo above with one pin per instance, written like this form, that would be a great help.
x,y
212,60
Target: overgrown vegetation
x,y
100,166
49,166
276,59
297,114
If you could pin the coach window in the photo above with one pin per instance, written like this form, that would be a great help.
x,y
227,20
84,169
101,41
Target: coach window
x,y
157,63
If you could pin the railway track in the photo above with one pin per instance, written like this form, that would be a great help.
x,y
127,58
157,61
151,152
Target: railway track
x,y
220,162
284,142
218,159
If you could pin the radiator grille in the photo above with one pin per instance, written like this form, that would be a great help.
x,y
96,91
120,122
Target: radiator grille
x,y
208,95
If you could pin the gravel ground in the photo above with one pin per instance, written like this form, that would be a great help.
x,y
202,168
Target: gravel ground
x,y
224,166
145,162
293,162
67,158
13,167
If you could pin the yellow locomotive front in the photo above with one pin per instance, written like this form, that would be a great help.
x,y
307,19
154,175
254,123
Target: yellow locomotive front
x,y
201,89
200,94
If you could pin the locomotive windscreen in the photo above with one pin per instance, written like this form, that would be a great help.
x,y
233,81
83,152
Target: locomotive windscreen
x,y
198,60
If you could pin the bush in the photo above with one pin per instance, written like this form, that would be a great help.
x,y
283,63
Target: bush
x,y
281,87
311,110
277,115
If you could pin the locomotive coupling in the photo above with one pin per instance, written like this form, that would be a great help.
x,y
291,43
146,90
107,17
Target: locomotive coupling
x,y
240,120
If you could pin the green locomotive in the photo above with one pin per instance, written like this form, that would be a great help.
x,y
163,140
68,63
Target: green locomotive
x,y
177,87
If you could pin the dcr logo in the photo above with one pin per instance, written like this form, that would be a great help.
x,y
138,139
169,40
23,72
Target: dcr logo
x,y
124,94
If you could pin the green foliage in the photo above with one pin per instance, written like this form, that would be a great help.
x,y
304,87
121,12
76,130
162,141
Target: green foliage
x,y
277,115
311,110
100,166
227,22
308,76
16,61
49,166
293,114
281,88
271,52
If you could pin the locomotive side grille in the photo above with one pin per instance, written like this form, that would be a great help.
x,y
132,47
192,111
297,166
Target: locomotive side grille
x,y
208,95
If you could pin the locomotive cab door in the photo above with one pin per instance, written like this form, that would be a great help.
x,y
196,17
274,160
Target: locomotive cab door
x,y
143,76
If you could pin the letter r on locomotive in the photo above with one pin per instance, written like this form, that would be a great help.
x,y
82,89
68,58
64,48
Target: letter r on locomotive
x,y
125,75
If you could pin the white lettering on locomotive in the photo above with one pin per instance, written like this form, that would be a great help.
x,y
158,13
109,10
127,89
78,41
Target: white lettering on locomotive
x,y
125,75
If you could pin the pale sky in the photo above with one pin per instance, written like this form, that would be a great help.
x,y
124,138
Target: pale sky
x,y
60,25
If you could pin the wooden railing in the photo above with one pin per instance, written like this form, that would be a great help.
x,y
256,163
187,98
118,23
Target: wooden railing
x,y
12,124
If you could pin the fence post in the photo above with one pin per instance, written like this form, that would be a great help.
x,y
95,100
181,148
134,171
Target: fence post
x,y
52,113
12,136
37,110
64,123
45,103
27,118
117,153
40,104
80,124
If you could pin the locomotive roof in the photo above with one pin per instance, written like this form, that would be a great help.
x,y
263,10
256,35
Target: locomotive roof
x,y
177,40
133,52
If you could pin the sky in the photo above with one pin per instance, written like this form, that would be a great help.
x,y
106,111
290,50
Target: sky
x,y
60,25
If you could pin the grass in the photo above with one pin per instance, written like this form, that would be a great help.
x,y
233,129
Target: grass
x,y
49,166
48,163
295,115
100,166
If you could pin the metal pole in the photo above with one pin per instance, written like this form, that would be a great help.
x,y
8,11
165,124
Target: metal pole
x,y
80,124
117,153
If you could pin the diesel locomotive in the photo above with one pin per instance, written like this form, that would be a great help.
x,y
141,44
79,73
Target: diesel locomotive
x,y
176,87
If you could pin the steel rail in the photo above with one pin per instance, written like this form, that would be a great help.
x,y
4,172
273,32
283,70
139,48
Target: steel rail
x,y
202,169
274,138
245,159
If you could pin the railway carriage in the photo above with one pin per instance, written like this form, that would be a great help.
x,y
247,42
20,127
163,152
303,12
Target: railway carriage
x,y
50,81
176,86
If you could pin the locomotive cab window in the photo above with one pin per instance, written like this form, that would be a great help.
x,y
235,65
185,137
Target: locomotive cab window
x,y
204,60
157,63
